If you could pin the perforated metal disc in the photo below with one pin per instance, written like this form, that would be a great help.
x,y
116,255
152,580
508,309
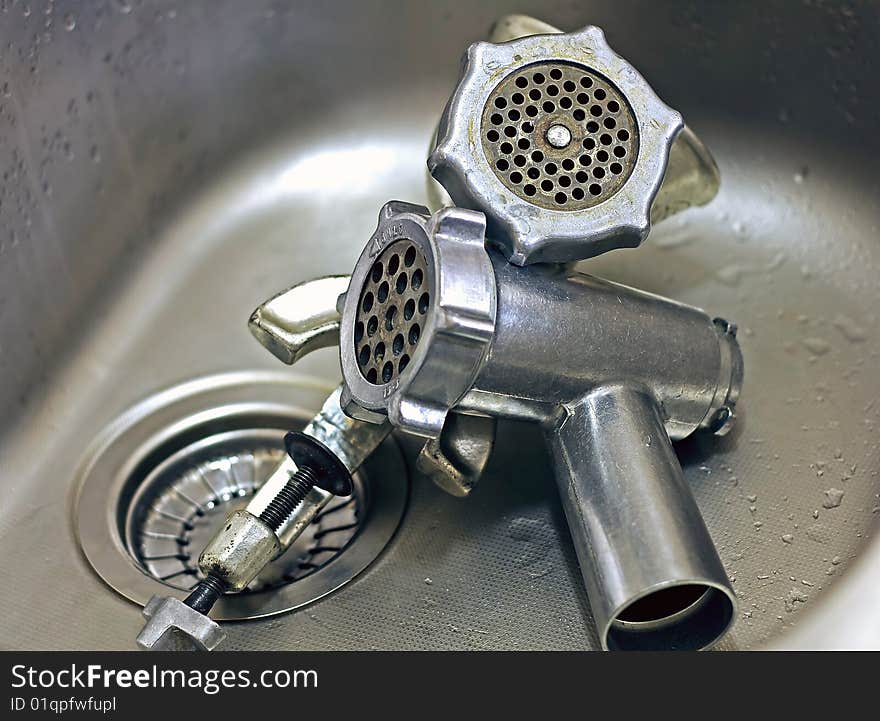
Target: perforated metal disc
x,y
392,309
559,135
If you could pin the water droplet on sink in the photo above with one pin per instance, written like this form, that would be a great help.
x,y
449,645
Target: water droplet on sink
x,y
833,498
733,274
730,274
816,346
680,237
794,597
535,540
849,329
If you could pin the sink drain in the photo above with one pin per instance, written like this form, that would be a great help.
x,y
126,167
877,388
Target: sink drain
x,y
160,481
179,506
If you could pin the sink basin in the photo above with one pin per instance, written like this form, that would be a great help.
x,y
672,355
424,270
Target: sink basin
x,y
166,167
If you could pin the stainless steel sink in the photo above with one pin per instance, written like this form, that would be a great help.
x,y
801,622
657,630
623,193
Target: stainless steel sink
x,y
168,166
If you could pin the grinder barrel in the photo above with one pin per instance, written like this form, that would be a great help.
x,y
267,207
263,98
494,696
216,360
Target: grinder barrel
x,y
560,333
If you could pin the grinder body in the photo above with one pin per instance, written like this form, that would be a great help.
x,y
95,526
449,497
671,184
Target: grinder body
x,y
611,374
560,333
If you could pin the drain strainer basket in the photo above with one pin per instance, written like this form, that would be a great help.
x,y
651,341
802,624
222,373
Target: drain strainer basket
x,y
158,483
179,505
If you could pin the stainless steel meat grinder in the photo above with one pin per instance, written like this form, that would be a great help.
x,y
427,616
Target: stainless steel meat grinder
x,y
552,149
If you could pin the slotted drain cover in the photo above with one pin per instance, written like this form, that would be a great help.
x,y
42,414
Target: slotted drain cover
x,y
161,480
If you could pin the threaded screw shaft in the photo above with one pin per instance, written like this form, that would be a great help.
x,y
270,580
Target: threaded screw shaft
x,y
289,497
301,448
203,597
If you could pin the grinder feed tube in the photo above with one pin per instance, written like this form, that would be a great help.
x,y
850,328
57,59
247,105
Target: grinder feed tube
x,y
611,373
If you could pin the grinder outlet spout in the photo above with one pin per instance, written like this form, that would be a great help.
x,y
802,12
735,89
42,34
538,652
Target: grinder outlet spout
x,y
651,571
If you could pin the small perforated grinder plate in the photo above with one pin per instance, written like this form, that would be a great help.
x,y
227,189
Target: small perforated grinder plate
x,y
392,310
